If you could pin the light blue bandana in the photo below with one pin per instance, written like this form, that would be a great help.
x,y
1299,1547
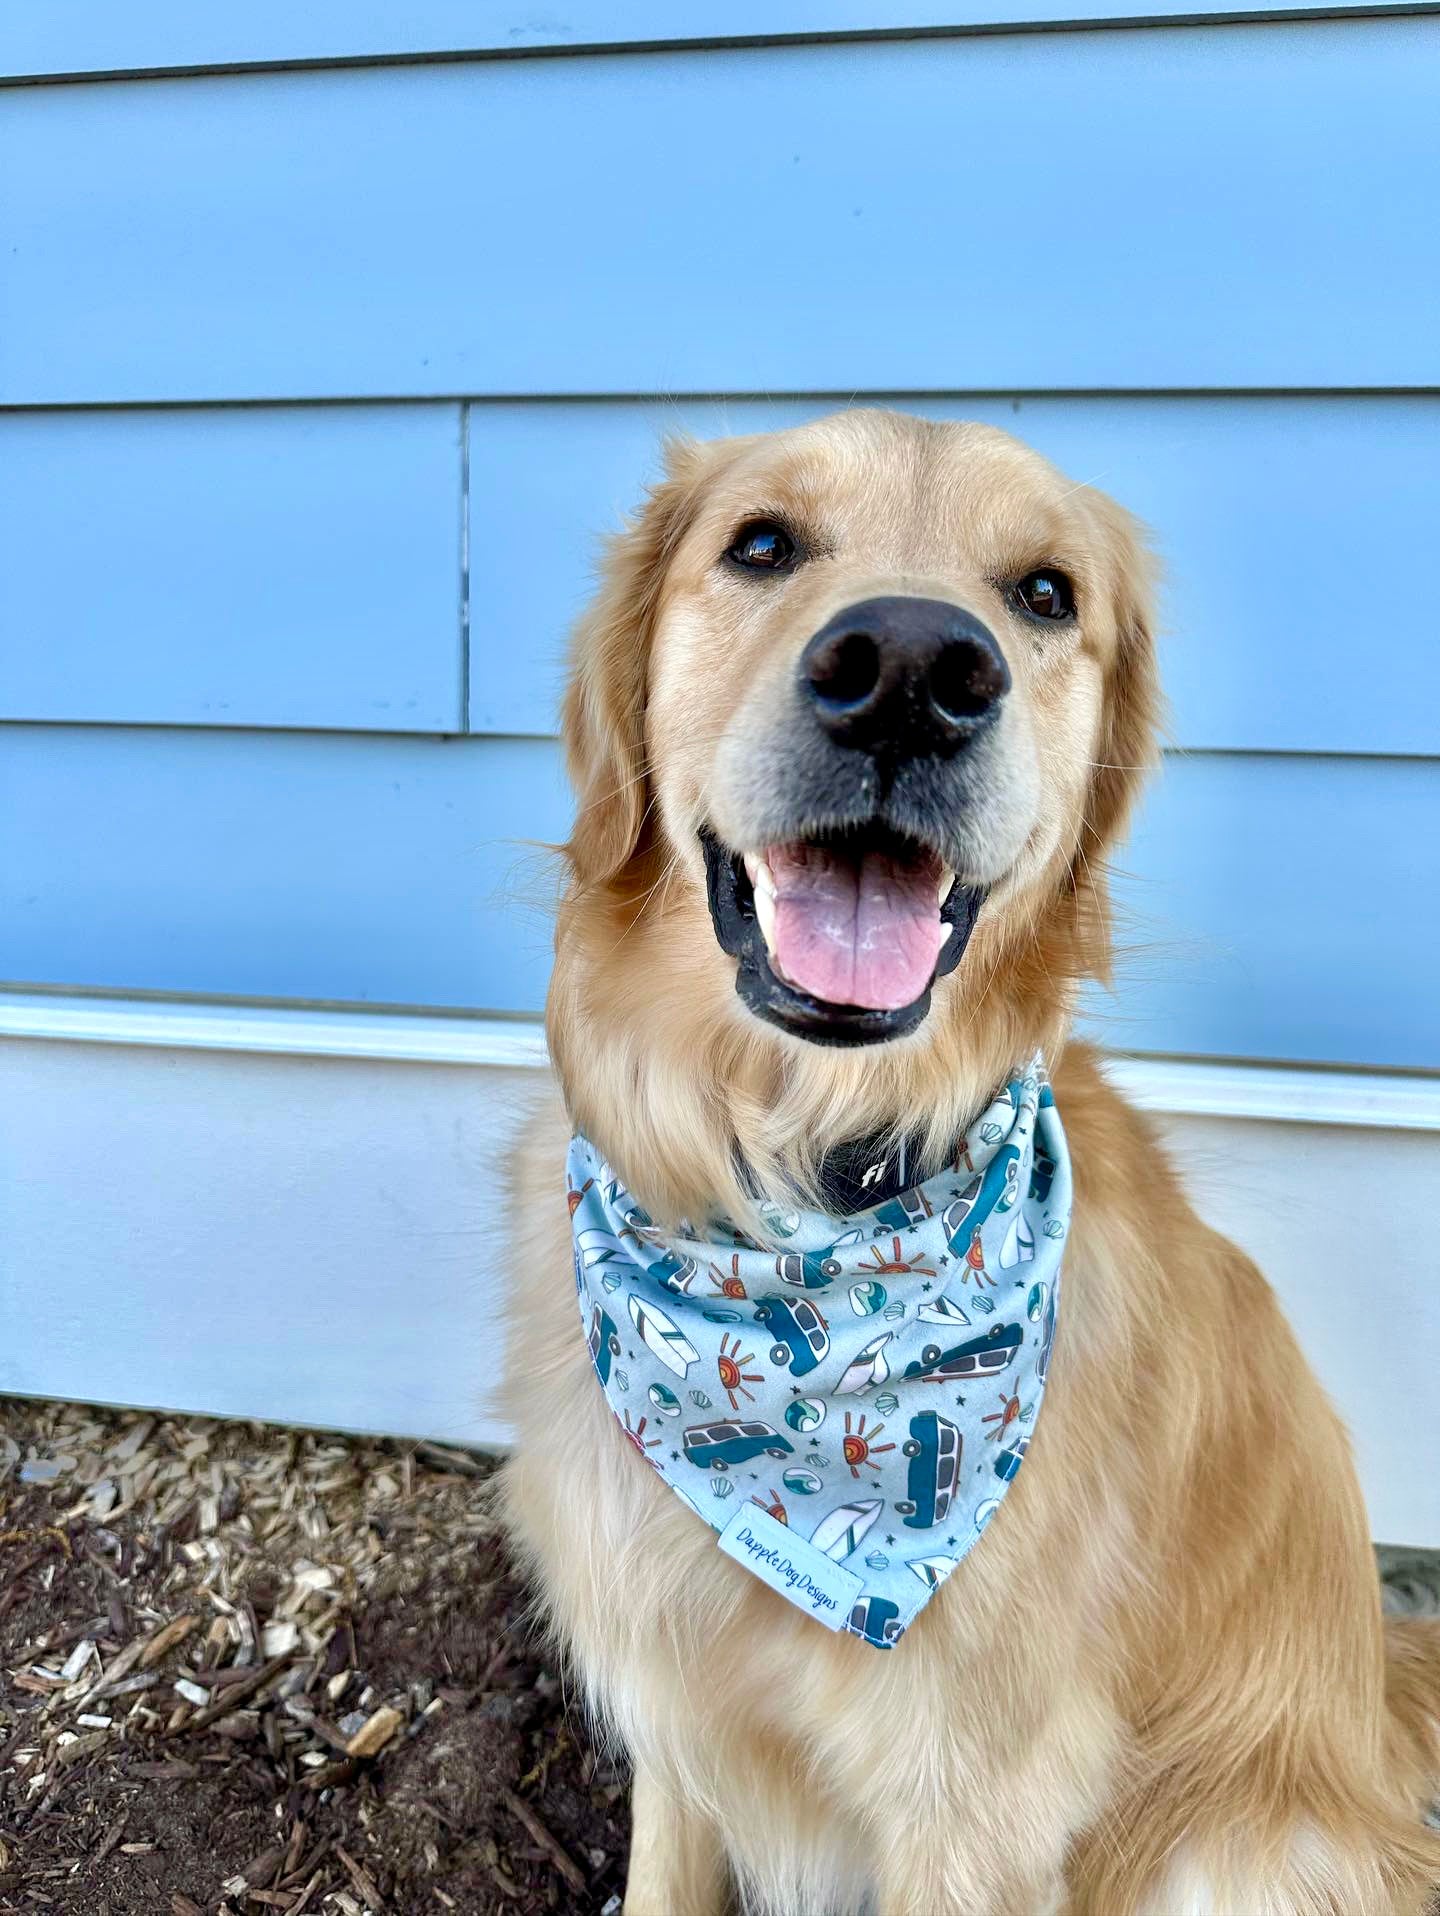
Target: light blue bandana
x,y
848,1413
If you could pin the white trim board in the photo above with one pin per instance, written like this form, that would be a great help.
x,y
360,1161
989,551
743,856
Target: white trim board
x,y
257,1212
298,1031
1181,1087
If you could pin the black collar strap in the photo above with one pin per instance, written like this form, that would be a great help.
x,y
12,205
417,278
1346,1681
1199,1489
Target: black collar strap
x,y
867,1171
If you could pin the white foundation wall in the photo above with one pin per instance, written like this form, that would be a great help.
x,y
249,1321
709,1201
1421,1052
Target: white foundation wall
x,y
295,1216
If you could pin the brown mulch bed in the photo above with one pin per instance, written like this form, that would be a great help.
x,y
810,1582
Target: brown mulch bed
x,y
245,1669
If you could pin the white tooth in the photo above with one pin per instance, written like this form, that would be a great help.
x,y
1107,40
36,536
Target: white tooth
x,y
946,931
765,912
761,876
947,883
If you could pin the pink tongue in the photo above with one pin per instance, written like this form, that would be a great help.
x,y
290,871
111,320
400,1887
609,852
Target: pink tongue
x,y
864,933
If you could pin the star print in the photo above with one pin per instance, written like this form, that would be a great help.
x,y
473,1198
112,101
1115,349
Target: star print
x,y
960,1400
927,1287
951,1542
943,1258
874,1486
674,1456
794,1390
890,1541
631,1356
753,1478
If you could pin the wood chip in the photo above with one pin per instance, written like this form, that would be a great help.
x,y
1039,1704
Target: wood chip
x,y
75,1663
108,1841
83,1746
375,1732
278,1639
165,1639
182,1906
298,1909
294,1849
235,1694
262,1870
567,1867
361,1878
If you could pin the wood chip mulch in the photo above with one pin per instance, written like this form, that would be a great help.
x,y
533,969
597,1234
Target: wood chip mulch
x,y
245,1669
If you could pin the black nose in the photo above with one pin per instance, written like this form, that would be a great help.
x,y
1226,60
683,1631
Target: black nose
x,y
905,676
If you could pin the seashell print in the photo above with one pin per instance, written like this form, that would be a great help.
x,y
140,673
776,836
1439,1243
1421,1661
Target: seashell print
x,y
700,1400
991,1133
1054,1228
722,1486
887,1403
877,1560
782,1222
894,1311
818,1458
982,1304
610,1282
622,1382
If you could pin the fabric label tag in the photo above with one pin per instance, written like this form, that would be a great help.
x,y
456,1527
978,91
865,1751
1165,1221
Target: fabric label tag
x,y
811,1580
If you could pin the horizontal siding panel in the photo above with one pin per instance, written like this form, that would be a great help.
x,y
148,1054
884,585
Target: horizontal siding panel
x,y
296,566
39,39
1277,908
1232,206
280,864
1286,526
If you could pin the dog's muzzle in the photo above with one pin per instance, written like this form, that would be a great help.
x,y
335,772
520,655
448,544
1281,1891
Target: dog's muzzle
x,y
842,923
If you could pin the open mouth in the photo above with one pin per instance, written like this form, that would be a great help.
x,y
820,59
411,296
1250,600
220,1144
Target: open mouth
x,y
839,937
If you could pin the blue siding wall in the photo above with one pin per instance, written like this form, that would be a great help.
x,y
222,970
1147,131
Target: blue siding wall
x,y
1231,206
271,566
274,344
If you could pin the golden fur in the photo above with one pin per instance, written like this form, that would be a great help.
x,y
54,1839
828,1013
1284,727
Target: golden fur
x,y
1161,1684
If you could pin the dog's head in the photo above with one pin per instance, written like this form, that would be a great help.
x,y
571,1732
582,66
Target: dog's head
x,y
857,712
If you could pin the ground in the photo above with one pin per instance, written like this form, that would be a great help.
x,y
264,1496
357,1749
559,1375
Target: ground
x,y
244,1669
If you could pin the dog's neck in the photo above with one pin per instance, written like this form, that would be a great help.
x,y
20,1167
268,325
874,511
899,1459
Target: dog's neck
x,y
703,1112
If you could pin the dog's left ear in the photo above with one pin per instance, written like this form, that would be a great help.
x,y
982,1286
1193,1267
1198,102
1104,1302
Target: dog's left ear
x,y
604,710
1128,746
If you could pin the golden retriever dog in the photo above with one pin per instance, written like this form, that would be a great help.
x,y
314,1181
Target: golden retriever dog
x,y
1160,1682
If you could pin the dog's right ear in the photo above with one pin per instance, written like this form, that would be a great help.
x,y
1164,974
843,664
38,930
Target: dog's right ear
x,y
603,716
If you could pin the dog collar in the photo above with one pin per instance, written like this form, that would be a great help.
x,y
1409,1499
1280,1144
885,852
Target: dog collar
x,y
862,1173
848,1410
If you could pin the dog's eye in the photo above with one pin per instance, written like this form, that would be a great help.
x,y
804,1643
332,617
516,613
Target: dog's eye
x,y
762,546
1047,594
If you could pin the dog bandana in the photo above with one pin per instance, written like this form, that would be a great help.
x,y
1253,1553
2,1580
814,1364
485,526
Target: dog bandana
x,y
847,1411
